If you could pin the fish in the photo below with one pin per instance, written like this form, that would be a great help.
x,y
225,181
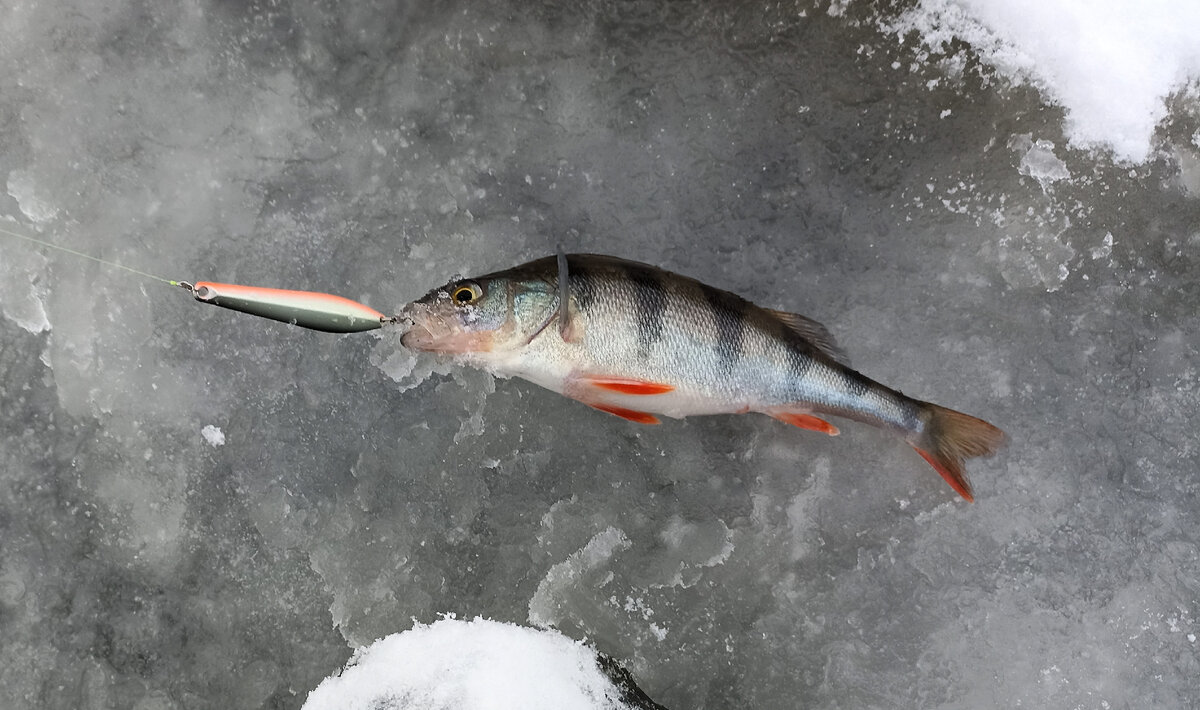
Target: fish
x,y
636,341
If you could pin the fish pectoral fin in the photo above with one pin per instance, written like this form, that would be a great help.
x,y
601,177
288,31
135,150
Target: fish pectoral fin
x,y
569,329
627,385
631,414
804,420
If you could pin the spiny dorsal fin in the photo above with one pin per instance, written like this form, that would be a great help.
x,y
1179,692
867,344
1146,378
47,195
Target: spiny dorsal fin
x,y
814,333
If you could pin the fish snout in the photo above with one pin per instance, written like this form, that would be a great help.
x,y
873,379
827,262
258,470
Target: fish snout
x,y
417,338
434,330
422,333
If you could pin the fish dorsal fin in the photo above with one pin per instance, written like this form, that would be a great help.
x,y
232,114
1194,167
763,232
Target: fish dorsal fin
x,y
813,332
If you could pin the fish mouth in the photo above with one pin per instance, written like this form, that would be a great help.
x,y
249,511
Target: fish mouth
x,y
425,331
419,337
435,332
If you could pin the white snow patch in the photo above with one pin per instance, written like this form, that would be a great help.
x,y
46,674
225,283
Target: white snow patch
x,y
213,435
1110,65
469,665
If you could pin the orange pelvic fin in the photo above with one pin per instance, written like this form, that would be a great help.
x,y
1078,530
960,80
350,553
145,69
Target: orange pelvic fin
x,y
805,421
630,414
627,385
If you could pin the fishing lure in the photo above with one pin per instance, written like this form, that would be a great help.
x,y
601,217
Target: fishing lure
x,y
307,309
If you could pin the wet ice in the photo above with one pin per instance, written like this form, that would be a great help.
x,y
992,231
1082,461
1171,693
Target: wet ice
x,y
962,241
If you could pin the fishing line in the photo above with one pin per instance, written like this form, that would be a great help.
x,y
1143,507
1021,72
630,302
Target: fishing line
x,y
89,256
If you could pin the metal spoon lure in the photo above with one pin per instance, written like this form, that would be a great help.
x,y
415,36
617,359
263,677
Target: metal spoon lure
x,y
307,309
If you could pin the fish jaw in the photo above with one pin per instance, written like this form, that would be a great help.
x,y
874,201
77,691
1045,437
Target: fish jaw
x,y
438,330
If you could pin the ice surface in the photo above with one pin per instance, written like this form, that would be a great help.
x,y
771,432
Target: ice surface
x,y
22,189
1039,161
22,295
949,223
470,665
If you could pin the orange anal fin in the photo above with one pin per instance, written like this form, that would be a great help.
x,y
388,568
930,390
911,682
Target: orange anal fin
x,y
628,385
954,477
806,421
631,414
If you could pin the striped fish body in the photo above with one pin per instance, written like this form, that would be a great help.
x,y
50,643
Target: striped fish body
x,y
635,341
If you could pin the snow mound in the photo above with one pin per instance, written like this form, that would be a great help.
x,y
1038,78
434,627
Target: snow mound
x,y
470,665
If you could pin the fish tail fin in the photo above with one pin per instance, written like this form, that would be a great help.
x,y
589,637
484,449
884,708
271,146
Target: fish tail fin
x,y
950,438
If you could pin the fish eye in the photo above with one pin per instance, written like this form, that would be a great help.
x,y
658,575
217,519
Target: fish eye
x,y
466,294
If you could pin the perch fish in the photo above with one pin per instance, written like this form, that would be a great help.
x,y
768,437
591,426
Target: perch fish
x,y
636,341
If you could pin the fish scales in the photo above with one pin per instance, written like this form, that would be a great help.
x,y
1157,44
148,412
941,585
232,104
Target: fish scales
x,y
729,320
641,321
636,341
681,335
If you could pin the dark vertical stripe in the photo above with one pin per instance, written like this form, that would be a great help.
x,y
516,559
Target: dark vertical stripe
x,y
729,317
650,304
582,281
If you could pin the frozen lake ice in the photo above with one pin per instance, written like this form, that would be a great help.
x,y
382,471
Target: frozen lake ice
x,y
993,205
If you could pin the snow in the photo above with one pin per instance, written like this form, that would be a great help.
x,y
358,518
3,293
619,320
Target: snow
x,y
213,435
1112,66
469,665
993,225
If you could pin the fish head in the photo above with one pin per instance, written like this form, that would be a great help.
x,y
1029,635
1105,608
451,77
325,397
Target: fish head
x,y
489,314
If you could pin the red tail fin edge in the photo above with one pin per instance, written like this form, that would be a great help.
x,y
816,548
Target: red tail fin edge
x,y
950,438
953,475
